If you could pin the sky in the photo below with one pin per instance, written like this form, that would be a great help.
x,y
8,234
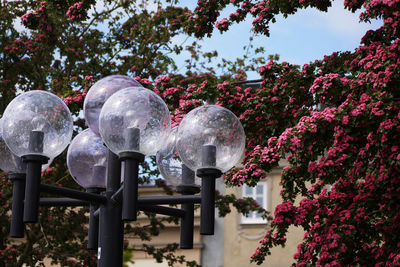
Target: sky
x,y
301,38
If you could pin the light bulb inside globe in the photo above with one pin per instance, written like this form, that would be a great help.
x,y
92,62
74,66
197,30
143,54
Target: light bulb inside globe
x,y
206,129
87,160
99,93
134,119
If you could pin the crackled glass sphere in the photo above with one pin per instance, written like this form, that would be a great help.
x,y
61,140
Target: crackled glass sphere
x,y
87,160
11,163
215,126
135,119
99,93
37,112
168,162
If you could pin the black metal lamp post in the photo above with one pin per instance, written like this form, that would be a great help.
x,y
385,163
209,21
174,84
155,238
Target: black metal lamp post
x,y
133,122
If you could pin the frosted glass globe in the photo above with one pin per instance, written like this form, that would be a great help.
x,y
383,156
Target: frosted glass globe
x,y
99,93
211,125
37,111
87,160
129,111
168,162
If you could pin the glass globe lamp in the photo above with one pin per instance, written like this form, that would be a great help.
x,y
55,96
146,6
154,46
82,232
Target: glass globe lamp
x,y
87,160
99,93
40,113
210,125
135,119
168,162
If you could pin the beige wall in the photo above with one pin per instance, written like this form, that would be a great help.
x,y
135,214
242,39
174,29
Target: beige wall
x,y
170,234
241,240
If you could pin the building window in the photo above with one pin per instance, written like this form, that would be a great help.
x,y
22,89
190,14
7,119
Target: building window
x,y
260,194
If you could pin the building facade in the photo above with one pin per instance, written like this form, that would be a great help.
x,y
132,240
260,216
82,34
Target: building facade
x,y
236,237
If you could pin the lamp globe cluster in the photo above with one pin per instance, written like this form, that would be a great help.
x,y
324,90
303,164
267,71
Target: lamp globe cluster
x,y
126,123
126,117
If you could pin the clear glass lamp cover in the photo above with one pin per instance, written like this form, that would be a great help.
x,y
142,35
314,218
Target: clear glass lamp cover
x,y
37,111
168,162
87,160
11,163
135,109
99,93
211,125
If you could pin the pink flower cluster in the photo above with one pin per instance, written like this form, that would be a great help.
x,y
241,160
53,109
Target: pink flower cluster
x,y
75,11
222,25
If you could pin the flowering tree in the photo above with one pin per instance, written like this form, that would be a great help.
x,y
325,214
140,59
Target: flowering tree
x,y
335,120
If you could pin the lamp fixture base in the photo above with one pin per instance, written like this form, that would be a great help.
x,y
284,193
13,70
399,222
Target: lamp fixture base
x,y
208,172
131,155
188,189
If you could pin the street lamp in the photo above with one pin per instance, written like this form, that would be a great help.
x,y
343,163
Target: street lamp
x,y
125,126
16,169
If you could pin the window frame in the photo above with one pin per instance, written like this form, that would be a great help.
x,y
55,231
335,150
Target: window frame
x,y
266,201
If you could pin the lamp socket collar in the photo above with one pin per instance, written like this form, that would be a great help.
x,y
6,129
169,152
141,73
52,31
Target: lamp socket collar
x,y
16,176
188,189
208,172
35,157
131,155
95,190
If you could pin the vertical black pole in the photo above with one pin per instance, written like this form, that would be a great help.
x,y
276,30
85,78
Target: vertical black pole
x,y
130,193
131,179
186,238
111,228
17,224
207,214
113,172
33,174
93,233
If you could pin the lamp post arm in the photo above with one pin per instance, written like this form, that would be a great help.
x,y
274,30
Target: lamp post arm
x,y
67,192
117,196
154,200
96,213
70,202
162,210
62,202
